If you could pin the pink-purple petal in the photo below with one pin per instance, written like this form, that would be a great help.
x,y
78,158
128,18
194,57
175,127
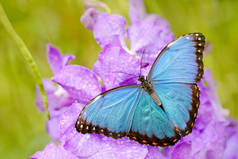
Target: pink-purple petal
x,y
56,61
49,88
211,90
57,97
153,33
80,144
148,38
52,128
66,58
231,145
116,67
108,27
154,152
79,81
123,149
52,151
97,146
54,58
69,117
148,33
180,151
89,18
58,125
137,11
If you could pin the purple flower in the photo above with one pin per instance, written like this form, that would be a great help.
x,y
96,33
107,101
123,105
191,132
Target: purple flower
x,y
214,134
147,34
52,151
71,87
57,96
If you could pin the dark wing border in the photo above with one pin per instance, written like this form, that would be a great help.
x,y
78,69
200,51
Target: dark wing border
x,y
154,141
192,113
199,40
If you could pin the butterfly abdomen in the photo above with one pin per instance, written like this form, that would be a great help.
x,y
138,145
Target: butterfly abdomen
x,y
156,99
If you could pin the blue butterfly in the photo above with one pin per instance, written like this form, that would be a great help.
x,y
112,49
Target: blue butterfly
x,y
162,108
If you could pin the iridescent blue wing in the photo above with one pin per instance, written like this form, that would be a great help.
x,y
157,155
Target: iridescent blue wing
x,y
151,125
174,75
127,111
180,61
111,112
180,102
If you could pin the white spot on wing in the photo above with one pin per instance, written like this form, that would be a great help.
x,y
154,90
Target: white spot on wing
x,y
170,44
98,97
188,37
78,122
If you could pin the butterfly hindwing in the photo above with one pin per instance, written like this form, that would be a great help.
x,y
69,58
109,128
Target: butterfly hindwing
x,y
151,124
180,102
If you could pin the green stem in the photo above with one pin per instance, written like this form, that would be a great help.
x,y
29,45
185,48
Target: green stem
x,y
26,54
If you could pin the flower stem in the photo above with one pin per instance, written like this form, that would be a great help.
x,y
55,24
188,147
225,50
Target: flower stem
x,y
26,54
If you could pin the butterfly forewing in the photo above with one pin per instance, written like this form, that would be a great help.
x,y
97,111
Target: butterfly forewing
x,y
174,75
180,61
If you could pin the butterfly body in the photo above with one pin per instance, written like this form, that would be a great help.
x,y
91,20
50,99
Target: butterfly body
x,y
148,87
159,110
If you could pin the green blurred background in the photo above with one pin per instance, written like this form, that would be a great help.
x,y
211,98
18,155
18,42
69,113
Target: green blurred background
x,y
22,127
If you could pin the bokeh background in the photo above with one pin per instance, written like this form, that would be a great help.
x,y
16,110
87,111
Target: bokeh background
x,y
38,22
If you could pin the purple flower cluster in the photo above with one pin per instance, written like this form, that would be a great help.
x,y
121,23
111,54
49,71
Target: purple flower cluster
x,y
214,134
